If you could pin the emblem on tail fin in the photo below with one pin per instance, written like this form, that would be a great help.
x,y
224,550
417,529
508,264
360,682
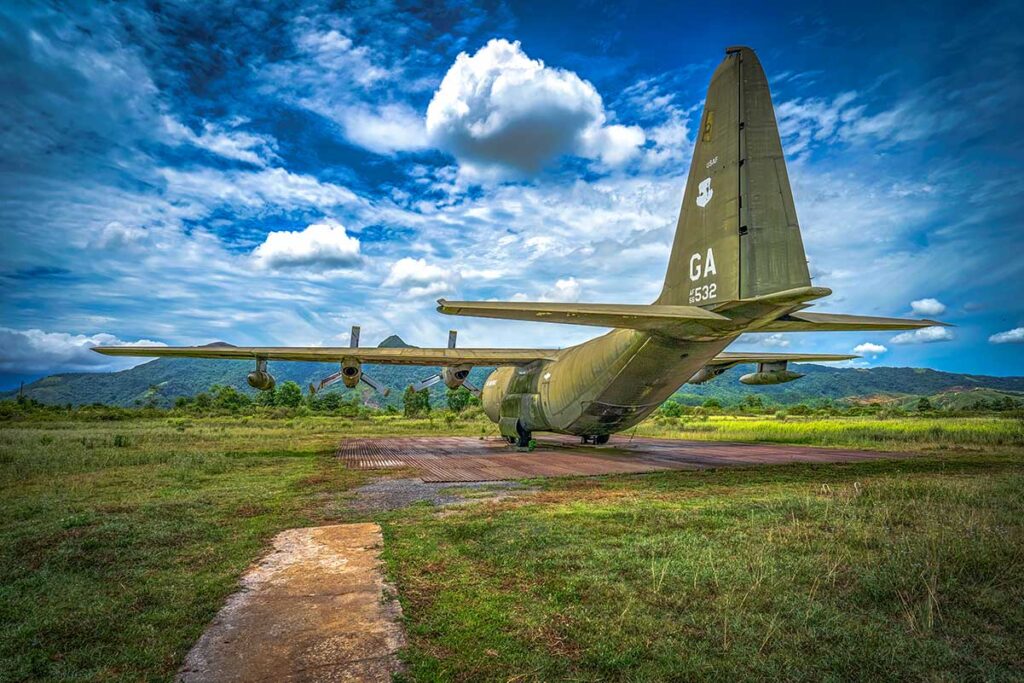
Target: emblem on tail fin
x,y
704,193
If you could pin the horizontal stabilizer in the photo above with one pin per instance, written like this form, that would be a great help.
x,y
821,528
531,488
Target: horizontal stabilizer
x,y
656,318
803,321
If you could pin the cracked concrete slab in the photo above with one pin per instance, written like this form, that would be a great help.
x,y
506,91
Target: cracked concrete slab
x,y
382,495
317,608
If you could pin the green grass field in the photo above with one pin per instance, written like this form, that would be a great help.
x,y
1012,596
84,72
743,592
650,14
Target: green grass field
x,y
119,540
900,434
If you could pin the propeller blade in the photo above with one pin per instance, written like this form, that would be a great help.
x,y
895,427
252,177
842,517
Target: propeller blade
x,y
428,382
312,389
452,334
375,385
329,380
353,340
472,388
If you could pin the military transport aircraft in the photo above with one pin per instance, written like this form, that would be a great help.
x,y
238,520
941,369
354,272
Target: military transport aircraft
x,y
737,265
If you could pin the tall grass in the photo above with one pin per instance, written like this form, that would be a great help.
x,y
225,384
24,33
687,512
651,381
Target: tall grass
x,y
867,432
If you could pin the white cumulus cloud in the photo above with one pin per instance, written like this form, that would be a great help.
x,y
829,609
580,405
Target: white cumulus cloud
x,y
869,349
32,351
1014,336
565,290
500,109
325,245
420,278
928,307
924,335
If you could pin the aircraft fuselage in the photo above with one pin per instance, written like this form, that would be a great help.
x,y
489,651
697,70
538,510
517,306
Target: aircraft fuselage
x,y
602,386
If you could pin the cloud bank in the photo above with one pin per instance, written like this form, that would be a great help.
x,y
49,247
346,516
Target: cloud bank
x,y
27,351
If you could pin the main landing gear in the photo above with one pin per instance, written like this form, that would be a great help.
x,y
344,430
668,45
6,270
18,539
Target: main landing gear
x,y
522,438
596,439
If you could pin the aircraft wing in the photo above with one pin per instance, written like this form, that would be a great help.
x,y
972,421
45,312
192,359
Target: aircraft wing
x,y
802,321
730,358
392,356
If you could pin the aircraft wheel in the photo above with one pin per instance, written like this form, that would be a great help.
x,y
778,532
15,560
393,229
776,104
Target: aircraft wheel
x,y
524,437
601,439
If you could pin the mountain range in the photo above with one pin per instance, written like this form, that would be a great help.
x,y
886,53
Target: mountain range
x,y
165,379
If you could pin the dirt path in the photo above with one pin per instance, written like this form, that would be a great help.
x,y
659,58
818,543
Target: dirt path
x,y
316,608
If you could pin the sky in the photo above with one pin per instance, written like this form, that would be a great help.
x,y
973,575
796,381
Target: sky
x,y
273,173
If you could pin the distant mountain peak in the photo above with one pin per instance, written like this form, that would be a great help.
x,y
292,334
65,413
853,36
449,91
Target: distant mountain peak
x,y
217,344
394,342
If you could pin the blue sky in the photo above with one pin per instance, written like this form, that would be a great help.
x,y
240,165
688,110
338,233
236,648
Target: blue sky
x,y
272,174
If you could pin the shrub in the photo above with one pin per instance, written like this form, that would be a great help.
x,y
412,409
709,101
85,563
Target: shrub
x,y
289,395
415,403
670,409
458,399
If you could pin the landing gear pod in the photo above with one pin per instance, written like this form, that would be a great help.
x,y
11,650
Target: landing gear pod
x,y
260,378
770,373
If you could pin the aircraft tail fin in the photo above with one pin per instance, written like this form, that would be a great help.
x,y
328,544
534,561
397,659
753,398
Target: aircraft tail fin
x,y
737,236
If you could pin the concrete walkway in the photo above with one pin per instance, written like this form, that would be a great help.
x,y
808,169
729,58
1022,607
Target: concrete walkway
x,y
315,609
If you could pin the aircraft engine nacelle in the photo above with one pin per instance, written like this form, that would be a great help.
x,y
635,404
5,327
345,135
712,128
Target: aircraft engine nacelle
x,y
260,379
455,376
706,374
351,372
770,373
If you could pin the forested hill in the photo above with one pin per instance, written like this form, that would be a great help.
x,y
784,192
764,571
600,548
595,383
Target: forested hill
x,y
821,382
165,379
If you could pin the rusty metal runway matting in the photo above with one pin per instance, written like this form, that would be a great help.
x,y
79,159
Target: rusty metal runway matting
x,y
457,459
